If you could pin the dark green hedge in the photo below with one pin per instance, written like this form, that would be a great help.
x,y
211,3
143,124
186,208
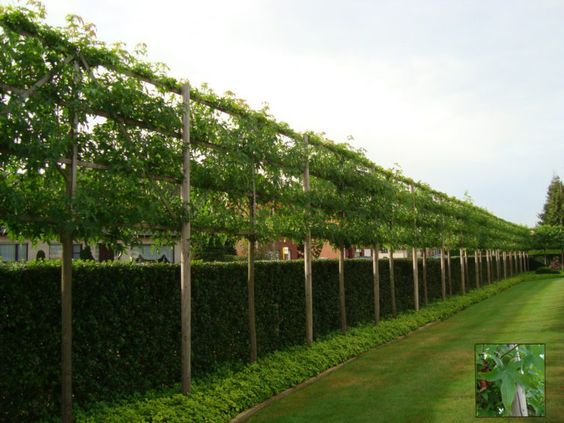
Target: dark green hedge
x,y
127,327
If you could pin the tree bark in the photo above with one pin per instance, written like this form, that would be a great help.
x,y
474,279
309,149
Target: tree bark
x,y
449,267
66,269
466,273
477,267
376,281
415,278
307,257
462,272
392,283
342,304
443,275
251,272
251,299
504,256
185,240
425,285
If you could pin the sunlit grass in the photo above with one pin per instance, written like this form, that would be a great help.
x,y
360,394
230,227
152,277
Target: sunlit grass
x,y
429,376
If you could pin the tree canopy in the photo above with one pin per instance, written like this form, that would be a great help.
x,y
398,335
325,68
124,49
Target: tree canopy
x,y
553,209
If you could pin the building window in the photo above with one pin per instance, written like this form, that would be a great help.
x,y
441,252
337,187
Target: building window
x,y
13,252
151,252
286,253
56,250
76,250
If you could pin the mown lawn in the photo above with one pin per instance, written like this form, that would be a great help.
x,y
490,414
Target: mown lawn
x,y
429,375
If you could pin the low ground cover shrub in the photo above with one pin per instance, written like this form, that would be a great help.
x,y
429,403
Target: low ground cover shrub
x,y
546,271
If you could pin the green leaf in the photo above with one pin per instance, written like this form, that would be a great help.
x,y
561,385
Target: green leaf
x,y
507,390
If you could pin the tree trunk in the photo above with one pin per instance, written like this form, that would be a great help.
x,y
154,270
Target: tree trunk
x,y
342,304
376,281
449,267
425,286
66,317
462,272
466,273
251,273
185,263
251,299
477,267
392,283
443,276
307,256
308,289
66,268
415,278
489,266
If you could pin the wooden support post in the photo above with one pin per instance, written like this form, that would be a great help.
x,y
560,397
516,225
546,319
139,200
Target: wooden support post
x,y
415,278
392,283
466,267
481,266
443,275
66,269
425,285
449,268
493,255
477,267
462,272
307,256
342,304
488,266
251,298
185,241
376,281
414,256
498,263
66,314
251,272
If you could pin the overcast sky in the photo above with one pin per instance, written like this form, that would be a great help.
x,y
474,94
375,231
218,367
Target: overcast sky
x,y
463,95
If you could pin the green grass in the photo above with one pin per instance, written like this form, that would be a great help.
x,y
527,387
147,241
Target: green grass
x,y
429,375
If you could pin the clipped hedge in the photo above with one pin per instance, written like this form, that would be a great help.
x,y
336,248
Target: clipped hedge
x,y
126,322
221,396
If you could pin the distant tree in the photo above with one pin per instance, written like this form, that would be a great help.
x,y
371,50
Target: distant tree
x,y
553,210
549,237
213,248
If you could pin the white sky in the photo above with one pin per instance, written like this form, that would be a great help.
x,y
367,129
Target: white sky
x,y
462,94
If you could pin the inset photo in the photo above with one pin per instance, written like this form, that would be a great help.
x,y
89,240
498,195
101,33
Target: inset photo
x,y
510,380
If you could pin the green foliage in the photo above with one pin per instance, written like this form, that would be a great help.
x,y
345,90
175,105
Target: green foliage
x,y
129,131
126,321
225,393
547,237
546,270
553,209
500,368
